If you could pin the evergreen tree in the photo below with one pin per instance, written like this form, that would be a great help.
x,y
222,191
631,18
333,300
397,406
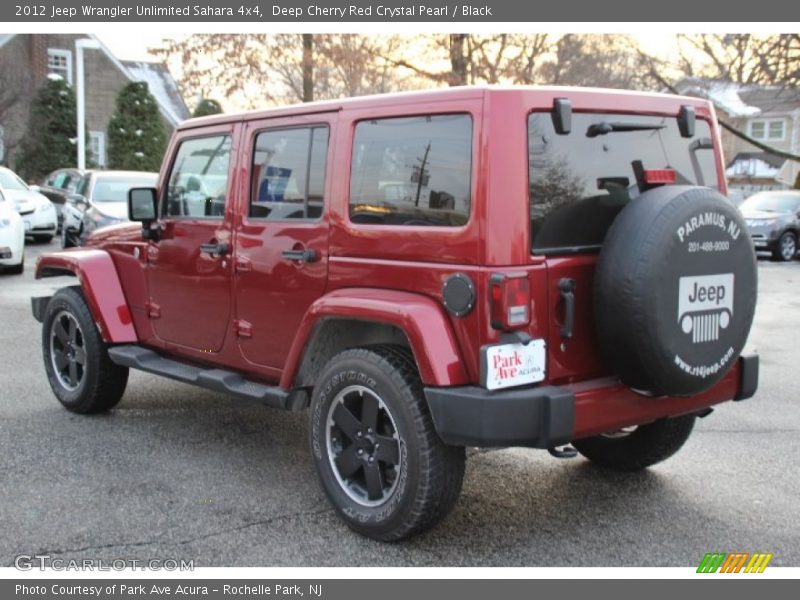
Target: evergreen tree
x,y
50,141
136,136
206,107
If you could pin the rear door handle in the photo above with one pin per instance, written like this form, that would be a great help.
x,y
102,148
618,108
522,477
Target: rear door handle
x,y
215,249
566,288
305,255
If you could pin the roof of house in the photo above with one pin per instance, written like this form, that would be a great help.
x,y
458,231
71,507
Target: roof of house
x,y
755,165
157,76
161,84
742,100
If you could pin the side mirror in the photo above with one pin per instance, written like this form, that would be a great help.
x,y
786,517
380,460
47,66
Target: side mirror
x,y
34,188
77,199
143,208
142,204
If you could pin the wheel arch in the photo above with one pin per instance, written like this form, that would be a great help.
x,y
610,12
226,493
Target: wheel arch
x,y
362,316
100,285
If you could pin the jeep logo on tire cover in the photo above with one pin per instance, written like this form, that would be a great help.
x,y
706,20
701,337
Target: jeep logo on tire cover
x,y
705,305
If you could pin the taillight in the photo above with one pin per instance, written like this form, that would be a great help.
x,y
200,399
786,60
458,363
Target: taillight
x,y
510,295
659,176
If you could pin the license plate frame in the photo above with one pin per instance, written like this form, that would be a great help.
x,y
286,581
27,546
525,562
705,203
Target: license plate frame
x,y
513,364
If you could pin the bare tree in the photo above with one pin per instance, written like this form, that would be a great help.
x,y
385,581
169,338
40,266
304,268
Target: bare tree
x,y
726,63
590,60
743,58
282,67
608,61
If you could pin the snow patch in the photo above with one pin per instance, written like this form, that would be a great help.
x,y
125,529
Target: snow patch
x,y
724,95
161,85
752,167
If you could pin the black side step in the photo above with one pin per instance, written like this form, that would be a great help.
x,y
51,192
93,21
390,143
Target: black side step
x,y
219,380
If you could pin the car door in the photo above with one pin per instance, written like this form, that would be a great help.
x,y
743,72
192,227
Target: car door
x,y
189,274
281,259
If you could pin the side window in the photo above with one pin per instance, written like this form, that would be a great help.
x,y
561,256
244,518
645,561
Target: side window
x,y
58,180
71,182
412,171
82,186
198,183
288,174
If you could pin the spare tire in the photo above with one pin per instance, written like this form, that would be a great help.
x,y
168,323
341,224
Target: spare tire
x,y
675,291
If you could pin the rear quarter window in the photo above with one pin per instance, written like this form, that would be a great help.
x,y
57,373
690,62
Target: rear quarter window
x,y
579,182
412,171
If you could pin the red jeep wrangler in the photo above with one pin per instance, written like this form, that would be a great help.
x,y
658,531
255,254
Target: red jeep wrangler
x,y
428,271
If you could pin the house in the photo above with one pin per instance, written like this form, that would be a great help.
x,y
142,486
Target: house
x,y
27,59
769,114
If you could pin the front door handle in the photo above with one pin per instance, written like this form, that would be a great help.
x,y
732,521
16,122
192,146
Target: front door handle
x,y
215,249
304,255
566,287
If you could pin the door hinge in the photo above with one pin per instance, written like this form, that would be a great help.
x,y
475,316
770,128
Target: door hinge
x,y
243,328
153,310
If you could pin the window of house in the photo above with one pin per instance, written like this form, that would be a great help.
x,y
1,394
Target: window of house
x,y
59,62
412,171
288,174
198,183
97,147
767,129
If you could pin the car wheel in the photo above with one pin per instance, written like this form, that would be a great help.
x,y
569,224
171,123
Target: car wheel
x,y
82,376
636,448
67,240
786,248
378,457
17,269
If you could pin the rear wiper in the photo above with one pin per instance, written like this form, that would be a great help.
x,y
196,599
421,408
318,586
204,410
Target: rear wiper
x,y
605,127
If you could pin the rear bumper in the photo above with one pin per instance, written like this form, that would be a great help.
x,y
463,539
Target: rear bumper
x,y
544,417
540,417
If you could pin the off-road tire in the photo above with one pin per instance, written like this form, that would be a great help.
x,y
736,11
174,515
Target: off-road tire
x,y
102,382
430,473
779,253
645,446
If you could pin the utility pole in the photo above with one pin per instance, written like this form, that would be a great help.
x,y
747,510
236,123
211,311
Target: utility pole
x,y
423,174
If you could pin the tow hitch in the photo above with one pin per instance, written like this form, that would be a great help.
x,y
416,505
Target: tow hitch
x,y
563,452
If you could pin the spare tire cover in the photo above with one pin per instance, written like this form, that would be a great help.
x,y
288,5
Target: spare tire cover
x,y
675,290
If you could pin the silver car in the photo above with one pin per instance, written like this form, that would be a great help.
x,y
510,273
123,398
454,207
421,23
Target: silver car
x,y
773,219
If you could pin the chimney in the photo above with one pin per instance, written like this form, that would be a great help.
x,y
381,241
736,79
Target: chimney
x,y
38,53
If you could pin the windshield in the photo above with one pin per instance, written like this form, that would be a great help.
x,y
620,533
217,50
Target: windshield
x,y
580,181
115,188
772,202
10,181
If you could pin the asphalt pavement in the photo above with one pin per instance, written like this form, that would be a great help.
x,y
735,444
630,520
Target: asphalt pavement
x,y
175,472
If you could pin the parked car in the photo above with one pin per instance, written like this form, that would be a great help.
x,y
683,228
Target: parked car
x,y
427,272
12,237
38,213
737,196
58,186
100,199
773,219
